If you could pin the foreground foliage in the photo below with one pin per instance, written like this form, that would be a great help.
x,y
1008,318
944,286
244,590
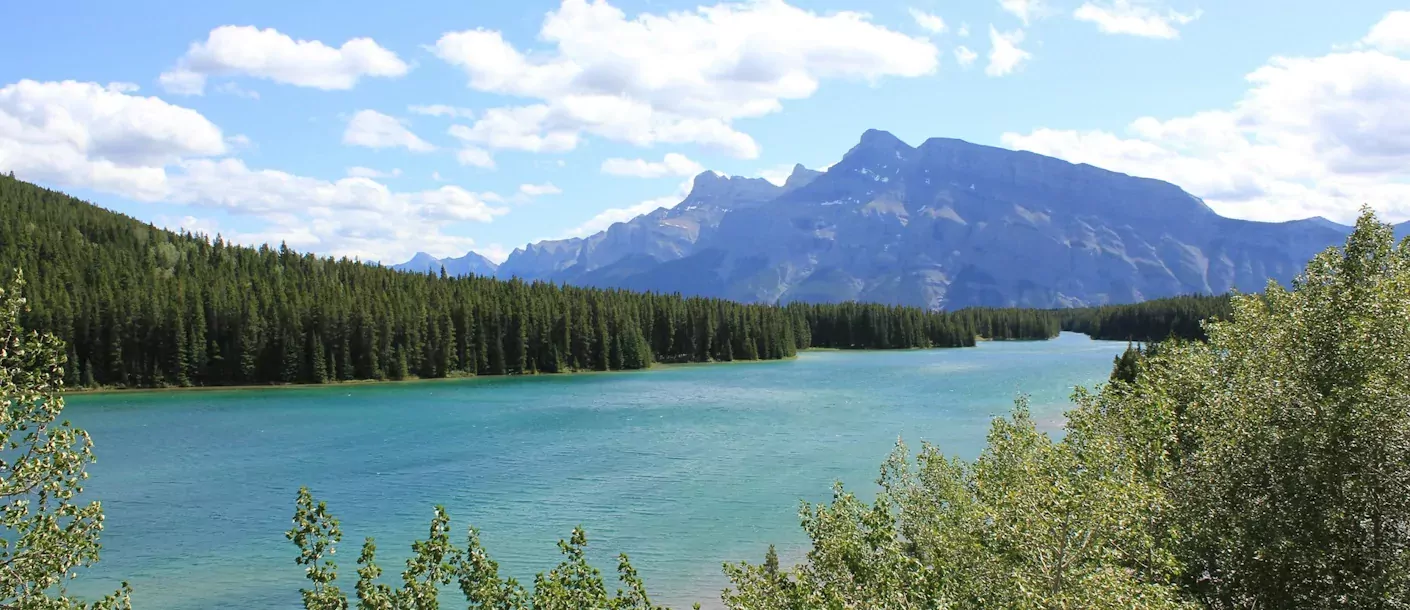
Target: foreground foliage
x,y
437,563
1268,467
48,534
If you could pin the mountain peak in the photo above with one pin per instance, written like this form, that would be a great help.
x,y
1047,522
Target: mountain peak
x,y
876,138
876,143
707,179
800,176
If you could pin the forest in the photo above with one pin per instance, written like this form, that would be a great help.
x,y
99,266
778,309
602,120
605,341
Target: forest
x,y
139,306
1153,320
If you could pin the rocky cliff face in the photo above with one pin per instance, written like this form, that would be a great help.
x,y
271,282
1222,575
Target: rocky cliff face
x,y
947,224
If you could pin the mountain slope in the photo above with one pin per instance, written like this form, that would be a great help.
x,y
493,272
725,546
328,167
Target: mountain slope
x,y
947,224
664,234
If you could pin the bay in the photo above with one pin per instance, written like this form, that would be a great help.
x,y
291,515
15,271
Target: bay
x,y
680,467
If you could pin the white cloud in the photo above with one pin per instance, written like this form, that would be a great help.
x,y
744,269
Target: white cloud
x,y
673,164
681,77
1004,54
1135,18
1025,10
963,32
357,217
928,21
777,175
1391,34
521,128
965,57
182,82
497,253
367,172
1314,136
538,190
189,224
122,87
376,130
231,88
269,54
442,110
475,157
87,135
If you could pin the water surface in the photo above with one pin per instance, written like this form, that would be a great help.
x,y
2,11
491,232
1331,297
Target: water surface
x,y
680,467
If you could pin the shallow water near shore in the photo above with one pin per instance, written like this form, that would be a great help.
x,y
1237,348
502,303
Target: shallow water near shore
x,y
682,468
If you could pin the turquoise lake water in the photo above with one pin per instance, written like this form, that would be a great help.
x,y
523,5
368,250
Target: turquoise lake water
x,y
682,468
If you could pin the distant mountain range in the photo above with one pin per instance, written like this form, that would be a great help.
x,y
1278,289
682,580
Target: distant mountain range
x,y
470,264
944,225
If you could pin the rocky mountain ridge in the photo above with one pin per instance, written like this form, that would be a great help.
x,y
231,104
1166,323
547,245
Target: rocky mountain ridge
x,y
944,225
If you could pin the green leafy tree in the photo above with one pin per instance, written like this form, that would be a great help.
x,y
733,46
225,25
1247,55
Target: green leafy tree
x,y
1032,523
435,563
49,534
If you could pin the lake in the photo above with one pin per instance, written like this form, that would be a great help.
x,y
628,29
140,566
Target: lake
x,y
680,467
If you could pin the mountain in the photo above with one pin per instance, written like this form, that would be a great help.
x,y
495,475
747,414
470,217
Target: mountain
x,y
470,264
944,225
666,234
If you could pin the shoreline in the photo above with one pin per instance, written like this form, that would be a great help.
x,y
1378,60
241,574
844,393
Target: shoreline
x,y
409,380
414,380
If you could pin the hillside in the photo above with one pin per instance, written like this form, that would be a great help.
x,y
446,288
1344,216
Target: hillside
x,y
944,225
141,306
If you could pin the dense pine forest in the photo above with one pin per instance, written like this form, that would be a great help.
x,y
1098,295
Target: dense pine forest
x,y
1154,320
139,306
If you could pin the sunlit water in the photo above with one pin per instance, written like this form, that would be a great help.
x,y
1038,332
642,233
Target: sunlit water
x,y
682,468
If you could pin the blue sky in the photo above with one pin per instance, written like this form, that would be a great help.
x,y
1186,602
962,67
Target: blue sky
x,y
377,129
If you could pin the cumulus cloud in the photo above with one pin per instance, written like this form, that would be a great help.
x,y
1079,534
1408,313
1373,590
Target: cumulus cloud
x,y
442,110
681,77
1391,34
354,216
673,164
376,130
272,55
1004,54
86,135
1134,18
965,57
1025,10
475,157
90,136
1312,136
929,22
